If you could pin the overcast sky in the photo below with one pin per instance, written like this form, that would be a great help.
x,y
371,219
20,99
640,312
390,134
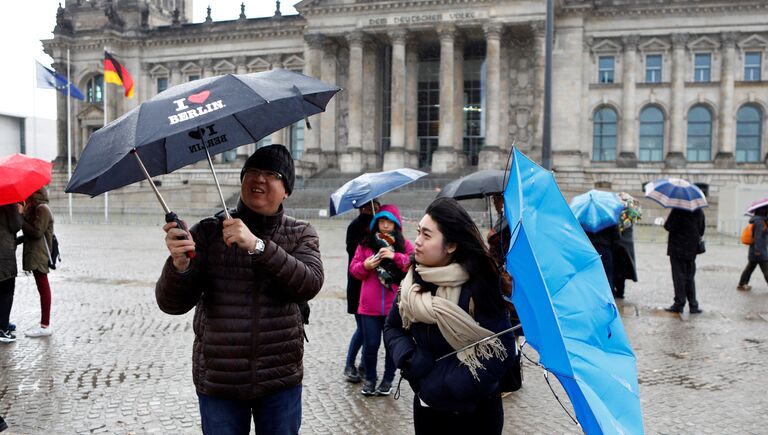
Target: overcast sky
x,y
24,23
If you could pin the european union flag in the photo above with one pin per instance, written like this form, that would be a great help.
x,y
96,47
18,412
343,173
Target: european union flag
x,y
50,79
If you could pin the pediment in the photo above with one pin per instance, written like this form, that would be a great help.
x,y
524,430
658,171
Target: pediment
x,y
224,65
654,45
293,62
704,43
258,64
606,46
91,111
159,70
190,67
753,41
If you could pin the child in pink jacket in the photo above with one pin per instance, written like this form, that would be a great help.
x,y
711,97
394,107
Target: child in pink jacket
x,y
381,261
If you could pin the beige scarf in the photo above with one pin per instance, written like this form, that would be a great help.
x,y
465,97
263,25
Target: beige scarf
x,y
455,324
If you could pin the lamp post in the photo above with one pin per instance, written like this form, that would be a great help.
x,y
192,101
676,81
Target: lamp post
x,y
546,146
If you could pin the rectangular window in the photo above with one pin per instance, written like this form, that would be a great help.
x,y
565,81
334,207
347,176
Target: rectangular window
x,y
193,77
752,66
702,67
297,139
605,69
653,68
162,84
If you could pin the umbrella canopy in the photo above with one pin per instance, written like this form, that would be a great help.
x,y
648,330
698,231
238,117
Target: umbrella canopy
x,y
369,186
21,176
757,204
676,193
596,210
475,185
565,305
174,128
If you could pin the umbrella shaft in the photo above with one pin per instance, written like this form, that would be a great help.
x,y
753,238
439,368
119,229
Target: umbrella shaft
x,y
514,328
216,180
151,183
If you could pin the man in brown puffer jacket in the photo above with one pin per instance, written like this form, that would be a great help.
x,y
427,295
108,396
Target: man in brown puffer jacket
x,y
247,277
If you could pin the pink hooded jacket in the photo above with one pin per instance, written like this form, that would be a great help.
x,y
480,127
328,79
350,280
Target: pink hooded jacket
x,y
375,298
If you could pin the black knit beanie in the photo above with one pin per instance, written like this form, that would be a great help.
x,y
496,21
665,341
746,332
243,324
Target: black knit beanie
x,y
276,158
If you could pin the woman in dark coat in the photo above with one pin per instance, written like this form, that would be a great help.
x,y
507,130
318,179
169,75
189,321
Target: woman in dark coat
x,y
758,250
11,221
623,249
686,229
451,298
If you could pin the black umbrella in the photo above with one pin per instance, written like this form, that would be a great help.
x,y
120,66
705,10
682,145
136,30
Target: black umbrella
x,y
478,184
192,121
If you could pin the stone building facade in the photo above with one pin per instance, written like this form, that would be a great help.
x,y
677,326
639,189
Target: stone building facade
x,y
641,88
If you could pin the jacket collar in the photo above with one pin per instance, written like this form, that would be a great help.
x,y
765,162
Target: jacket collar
x,y
259,224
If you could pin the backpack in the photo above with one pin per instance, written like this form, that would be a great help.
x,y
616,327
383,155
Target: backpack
x,y
53,253
748,234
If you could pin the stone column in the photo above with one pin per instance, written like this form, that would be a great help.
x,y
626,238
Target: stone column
x,y
411,102
539,51
61,121
175,77
726,138
312,65
351,160
278,136
328,150
206,68
489,156
458,100
240,67
394,158
676,150
627,157
445,159
146,84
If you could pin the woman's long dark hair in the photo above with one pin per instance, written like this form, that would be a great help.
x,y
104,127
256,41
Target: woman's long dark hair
x,y
457,227
370,239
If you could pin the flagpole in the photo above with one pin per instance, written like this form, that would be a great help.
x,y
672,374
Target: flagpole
x,y
104,92
69,135
34,110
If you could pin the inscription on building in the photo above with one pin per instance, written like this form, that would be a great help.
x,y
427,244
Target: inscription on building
x,y
425,18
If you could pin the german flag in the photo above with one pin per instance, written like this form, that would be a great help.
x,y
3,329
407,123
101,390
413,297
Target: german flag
x,y
116,73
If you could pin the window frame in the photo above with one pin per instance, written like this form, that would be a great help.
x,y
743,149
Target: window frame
x,y
758,136
707,68
652,71
157,83
688,136
755,69
608,74
598,135
92,86
660,135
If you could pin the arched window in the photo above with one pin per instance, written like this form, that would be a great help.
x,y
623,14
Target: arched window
x,y
699,134
749,130
604,135
94,88
651,134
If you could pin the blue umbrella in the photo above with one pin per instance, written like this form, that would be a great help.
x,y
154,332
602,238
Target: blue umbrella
x,y
565,306
370,186
676,193
596,210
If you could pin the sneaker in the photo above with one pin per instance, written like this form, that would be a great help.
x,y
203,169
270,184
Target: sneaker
x,y
369,388
39,332
3,424
11,327
351,375
385,388
7,336
744,287
696,310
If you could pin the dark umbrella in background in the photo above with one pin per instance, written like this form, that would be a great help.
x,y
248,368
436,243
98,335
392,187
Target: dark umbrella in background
x,y
480,184
192,121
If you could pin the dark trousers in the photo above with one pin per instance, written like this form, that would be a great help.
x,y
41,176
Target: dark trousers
x,y
355,343
606,256
488,419
744,280
278,413
683,278
6,301
373,327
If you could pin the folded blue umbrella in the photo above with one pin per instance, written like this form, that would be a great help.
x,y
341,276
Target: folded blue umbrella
x,y
597,210
676,193
565,305
369,186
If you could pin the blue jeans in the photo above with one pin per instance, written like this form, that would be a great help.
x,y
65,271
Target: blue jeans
x,y
373,327
355,343
278,413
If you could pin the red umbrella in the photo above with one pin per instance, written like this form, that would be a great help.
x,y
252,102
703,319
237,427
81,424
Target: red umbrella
x,y
757,204
21,176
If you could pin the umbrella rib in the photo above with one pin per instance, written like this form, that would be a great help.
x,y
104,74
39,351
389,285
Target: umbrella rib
x,y
245,128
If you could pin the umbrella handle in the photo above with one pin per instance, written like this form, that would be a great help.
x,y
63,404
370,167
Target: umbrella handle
x,y
173,217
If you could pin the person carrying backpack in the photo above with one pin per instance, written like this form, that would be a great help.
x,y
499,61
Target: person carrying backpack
x,y
38,237
758,250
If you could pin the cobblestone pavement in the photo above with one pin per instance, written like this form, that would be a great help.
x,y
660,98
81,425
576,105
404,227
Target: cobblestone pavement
x,y
116,364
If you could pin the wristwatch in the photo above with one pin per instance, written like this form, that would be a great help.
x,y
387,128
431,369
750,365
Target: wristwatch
x,y
258,249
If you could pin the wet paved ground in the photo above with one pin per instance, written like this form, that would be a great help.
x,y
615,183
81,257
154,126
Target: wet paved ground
x,y
116,364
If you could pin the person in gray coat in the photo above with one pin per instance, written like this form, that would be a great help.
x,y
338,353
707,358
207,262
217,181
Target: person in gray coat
x,y
758,250
11,221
